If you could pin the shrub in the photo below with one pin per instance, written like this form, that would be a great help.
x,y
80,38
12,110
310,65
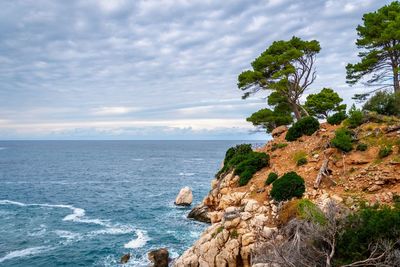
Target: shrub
x,y
301,162
385,151
342,140
304,126
355,118
362,147
288,186
337,118
384,103
299,155
271,178
234,234
237,150
365,227
252,163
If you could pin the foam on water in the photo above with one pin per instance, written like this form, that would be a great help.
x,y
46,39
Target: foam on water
x,y
114,230
186,173
139,241
24,253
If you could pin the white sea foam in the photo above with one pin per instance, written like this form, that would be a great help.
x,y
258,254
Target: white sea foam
x,y
186,173
77,215
137,159
113,230
139,241
24,253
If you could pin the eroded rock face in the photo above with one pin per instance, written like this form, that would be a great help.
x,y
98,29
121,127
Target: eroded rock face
x,y
159,257
200,213
278,131
185,197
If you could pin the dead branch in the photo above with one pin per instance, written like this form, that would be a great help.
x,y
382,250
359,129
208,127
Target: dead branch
x,y
323,171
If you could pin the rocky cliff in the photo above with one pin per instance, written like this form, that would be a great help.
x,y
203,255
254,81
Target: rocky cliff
x,y
241,216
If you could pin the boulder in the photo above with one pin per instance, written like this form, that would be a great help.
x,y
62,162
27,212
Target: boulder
x,y
125,258
200,213
278,131
159,257
185,197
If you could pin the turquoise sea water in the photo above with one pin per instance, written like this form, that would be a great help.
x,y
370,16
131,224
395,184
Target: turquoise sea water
x,y
86,203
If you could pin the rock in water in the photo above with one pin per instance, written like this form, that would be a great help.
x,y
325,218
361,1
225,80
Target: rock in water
x,y
185,197
159,257
200,213
125,258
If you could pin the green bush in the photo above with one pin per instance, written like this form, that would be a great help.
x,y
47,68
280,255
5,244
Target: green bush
x,y
362,147
385,151
304,126
342,140
384,103
337,118
365,227
355,118
271,178
254,162
301,162
237,150
288,186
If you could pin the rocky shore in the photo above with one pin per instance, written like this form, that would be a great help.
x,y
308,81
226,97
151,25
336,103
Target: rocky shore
x,y
241,217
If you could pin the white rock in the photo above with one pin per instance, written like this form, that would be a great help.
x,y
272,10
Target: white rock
x,y
185,197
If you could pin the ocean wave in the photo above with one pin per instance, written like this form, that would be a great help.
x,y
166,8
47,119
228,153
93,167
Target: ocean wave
x,y
139,241
76,216
24,252
137,159
3,148
114,230
187,173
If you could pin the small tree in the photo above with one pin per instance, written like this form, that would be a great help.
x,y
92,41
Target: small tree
x,y
268,119
286,67
323,103
384,103
380,38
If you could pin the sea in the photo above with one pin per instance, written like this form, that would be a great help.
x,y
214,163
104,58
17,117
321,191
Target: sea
x,y
87,203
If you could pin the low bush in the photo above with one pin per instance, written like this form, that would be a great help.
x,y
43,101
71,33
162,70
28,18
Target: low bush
x,y
304,126
254,162
337,118
288,186
368,226
271,178
362,147
385,151
355,118
384,103
343,140
302,161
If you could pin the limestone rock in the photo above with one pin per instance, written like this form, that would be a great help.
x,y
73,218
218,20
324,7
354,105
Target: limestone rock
x,y
159,257
185,197
125,258
279,131
200,213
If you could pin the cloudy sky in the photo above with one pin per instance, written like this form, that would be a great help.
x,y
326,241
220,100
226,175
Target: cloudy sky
x,y
167,69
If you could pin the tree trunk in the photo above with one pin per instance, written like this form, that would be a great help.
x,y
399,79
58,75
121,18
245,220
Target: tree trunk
x,y
396,84
295,109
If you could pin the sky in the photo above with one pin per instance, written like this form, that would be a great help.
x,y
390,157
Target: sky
x,y
147,69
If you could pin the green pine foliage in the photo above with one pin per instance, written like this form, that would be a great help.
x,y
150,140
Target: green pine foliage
x,y
379,39
365,227
323,103
385,151
244,161
304,126
343,140
362,147
384,103
288,186
337,118
355,118
271,178
302,162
